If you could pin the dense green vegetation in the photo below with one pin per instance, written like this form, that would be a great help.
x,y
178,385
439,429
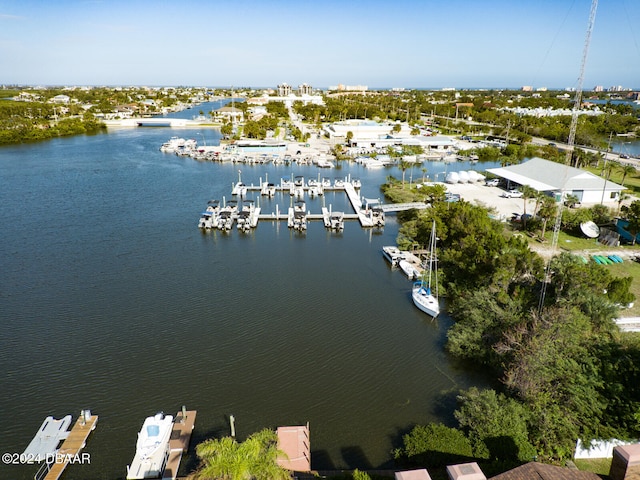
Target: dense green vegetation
x,y
26,122
449,110
253,459
565,370
37,117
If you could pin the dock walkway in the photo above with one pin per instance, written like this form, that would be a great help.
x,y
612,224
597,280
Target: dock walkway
x,y
179,442
71,447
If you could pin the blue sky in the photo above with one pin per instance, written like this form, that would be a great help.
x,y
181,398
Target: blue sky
x,y
405,43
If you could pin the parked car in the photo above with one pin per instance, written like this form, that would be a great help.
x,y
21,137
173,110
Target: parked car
x,y
494,182
513,193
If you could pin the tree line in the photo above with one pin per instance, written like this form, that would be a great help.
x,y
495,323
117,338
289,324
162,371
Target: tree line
x,y
564,370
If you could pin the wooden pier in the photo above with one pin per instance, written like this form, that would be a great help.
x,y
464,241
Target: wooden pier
x,y
179,442
70,450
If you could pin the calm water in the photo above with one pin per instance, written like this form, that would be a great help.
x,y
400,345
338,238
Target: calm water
x,y
112,299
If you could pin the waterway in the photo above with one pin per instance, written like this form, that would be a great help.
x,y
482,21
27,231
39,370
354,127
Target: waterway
x,y
112,299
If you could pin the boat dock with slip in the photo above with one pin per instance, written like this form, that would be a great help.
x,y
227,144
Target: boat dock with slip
x,y
368,214
183,425
43,447
161,443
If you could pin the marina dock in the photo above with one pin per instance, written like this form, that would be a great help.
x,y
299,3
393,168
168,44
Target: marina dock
x,y
368,214
69,452
179,442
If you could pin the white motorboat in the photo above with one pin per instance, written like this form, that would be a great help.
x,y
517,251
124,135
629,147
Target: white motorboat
x,y
206,220
209,217
152,448
172,145
337,221
268,189
377,216
239,189
299,221
393,255
409,270
423,296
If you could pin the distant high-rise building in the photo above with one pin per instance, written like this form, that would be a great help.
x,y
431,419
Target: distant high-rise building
x,y
598,88
305,89
284,90
527,88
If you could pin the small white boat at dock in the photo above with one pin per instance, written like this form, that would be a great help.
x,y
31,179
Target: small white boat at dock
x,y
239,189
209,217
409,269
336,221
152,448
268,189
172,145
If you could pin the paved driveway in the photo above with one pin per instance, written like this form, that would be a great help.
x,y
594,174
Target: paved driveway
x,y
479,194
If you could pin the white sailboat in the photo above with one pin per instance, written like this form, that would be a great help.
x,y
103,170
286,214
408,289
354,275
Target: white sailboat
x,y
422,294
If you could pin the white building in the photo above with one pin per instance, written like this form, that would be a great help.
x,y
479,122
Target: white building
x,y
369,134
305,89
556,179
284,90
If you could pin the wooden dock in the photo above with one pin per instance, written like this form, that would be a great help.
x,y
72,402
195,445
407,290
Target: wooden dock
x,y
179,442
70,449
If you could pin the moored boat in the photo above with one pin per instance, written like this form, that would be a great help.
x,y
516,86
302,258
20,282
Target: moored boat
x,y
423,296
393,254
152,448
337,221
409,269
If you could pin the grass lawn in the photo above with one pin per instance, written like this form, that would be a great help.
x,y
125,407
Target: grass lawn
x,y
599,466
632,182
586,247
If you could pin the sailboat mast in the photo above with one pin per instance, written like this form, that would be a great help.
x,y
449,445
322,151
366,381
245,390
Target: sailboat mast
x,y
432,248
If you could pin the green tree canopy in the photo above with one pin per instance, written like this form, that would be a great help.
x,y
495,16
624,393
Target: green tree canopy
x,y
253,459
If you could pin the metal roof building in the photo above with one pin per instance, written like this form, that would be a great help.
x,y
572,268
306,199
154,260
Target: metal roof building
x,y
554,178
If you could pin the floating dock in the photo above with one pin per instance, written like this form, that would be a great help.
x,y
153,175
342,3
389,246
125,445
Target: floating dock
x,y
69,452
179,442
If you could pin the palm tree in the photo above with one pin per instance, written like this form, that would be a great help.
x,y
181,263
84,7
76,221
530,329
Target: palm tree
x,y
253,459
527,193
403,165
548,209
626,170
621,198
